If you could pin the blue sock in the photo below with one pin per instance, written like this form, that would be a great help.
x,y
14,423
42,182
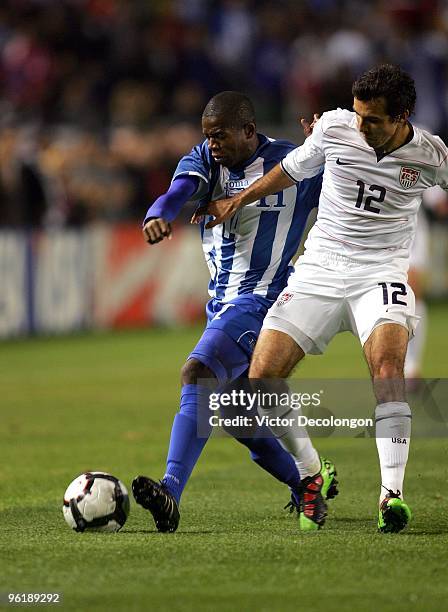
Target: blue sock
x,y
185,445
272,457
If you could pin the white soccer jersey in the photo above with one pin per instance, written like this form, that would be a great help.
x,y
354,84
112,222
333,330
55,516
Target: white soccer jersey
x,y
367,207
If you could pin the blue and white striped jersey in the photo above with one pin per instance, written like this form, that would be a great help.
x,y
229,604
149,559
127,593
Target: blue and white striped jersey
x,y
252,251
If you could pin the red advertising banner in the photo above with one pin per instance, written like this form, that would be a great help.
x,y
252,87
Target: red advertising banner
x,y
100,277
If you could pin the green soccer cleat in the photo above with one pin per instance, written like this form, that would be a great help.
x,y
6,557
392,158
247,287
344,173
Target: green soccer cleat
x,y
313,509
315,490
329,488
394,514
309,500
329,473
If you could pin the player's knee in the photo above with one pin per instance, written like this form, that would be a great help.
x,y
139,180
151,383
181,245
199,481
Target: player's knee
x,y
388,368
262,367
258,369
275,355
193,370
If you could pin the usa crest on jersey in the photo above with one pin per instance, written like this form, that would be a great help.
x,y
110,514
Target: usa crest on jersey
x,y
408,177
284,298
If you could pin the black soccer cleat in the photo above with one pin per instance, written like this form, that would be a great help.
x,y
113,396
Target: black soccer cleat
x,y
313,509
294,503
329,488
155,497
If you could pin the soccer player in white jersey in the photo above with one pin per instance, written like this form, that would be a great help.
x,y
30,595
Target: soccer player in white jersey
x,y
353,274
250,262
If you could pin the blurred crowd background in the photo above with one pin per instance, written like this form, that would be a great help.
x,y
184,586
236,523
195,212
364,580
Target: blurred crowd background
x,y
99,98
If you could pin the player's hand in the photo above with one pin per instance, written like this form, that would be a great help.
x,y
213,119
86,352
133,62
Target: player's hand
x,y
220,209
156,230
307,126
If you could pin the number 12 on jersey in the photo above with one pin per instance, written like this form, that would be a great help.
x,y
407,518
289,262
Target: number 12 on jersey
x,y
370,198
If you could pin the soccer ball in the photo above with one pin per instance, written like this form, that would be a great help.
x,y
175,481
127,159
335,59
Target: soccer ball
x,y
96,501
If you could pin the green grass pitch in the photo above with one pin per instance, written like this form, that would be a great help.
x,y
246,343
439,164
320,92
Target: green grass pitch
x,y
106,402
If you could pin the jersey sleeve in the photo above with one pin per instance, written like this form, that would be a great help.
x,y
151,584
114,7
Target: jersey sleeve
x,y
307,160
442,173
168,205
196,163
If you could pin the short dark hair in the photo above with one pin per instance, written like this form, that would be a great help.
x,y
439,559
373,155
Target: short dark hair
x,y
234,107
389,82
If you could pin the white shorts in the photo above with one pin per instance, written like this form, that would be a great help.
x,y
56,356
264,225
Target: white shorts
x,y
321,301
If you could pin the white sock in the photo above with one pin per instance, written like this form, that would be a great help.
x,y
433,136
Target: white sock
x,y
306,457
412,365
393,436
294,439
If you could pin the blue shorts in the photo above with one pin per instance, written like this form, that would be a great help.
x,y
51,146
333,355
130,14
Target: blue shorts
x,y
229,339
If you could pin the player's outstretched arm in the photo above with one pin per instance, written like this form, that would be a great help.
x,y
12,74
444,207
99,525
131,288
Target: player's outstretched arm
x,y
156,225
272,182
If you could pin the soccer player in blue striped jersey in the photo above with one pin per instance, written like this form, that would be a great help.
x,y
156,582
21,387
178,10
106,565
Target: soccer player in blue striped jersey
x,y
249,258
